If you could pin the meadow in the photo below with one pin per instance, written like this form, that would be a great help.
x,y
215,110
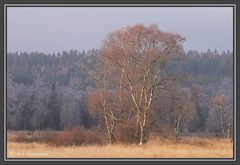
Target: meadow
x,y
157,147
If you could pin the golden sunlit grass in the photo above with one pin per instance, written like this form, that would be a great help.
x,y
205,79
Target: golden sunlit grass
x,y
188,148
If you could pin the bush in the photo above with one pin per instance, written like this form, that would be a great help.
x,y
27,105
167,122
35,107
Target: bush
x,y
127,134
77,136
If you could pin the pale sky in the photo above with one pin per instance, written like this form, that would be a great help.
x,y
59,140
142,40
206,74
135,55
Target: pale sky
x,y
54,29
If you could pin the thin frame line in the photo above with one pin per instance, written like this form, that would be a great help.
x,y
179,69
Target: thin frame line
x,y
119,5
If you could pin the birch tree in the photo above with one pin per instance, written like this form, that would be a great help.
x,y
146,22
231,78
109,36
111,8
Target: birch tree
x,y
219,102
183,109
140,53
102,101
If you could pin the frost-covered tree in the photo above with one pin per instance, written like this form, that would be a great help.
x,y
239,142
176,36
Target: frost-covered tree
x,y
54,107
11,103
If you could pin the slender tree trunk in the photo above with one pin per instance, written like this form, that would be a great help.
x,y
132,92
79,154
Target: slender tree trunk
x,y
229,132
177,124
137,125
223,131
129,115
143,129
120,93
229,123
112,137
99,121
142,135
110,130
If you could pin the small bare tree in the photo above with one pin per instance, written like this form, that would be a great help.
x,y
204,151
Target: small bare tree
x,y
183,108
220,102
109,102
102,102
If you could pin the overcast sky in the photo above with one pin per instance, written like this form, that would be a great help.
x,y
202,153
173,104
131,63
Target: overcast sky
x,y
54,29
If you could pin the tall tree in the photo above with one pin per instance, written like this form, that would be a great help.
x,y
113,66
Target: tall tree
x,y
140,53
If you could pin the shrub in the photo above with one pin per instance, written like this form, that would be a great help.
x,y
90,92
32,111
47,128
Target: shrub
x,y
127,134
77,136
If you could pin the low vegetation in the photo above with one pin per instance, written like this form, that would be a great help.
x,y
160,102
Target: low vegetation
x,y
68,137
158,146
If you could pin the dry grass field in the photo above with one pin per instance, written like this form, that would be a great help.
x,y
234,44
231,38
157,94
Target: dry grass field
x,y
188,147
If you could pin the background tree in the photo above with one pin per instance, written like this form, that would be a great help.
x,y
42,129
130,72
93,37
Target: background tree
x,y
183,108
40,96
201,101
11,103
54,107
220,102
71,70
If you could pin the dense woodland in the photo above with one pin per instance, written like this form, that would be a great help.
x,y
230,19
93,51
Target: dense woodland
x,y
56,91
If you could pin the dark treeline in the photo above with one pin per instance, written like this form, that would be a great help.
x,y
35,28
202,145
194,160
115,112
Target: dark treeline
x,y
68,67
52,91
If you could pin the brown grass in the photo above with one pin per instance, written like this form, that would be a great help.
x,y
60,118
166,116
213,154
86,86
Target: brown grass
x,y
189,147
30,137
